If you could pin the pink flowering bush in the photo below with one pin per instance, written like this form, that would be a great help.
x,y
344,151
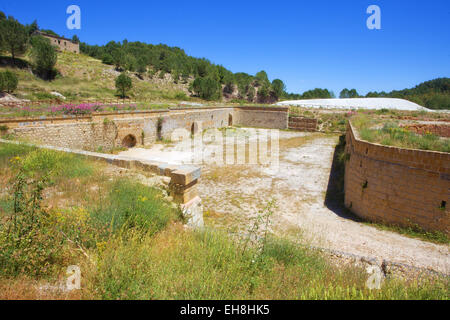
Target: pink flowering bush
x,y
84,108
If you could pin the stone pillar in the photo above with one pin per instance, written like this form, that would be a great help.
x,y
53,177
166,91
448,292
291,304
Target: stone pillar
x,y
183,189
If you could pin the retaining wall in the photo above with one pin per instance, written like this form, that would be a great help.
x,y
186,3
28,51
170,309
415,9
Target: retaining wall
x,y
442,130
262,117
397,186
303,124
104,131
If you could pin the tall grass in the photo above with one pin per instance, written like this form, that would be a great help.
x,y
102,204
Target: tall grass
x,y
131,205
393,135
179,264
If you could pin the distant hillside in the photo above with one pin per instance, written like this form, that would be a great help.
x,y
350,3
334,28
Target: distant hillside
x,y
211,81
433,94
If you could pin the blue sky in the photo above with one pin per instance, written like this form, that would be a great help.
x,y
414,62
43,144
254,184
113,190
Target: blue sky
x,y
307,44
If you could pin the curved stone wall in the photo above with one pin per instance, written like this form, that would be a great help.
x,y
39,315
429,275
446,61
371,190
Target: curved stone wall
x,y
397,186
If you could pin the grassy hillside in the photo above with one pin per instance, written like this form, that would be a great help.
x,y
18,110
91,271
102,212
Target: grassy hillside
x,y
82,77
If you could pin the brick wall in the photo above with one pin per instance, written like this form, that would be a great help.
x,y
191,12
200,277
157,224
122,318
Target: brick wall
x,y
303,124
397,186
441,130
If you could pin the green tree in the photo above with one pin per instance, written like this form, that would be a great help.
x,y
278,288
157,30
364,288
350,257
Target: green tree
x,y
130,63
262,78
263,92
250,93
346,93
353,93
141,65
372,94
8,81
44,57
123,85
75,39
278,88
317,94
107,59
119,58
2,82
207,88
32,28
14,36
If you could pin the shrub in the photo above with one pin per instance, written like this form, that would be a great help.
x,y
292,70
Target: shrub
x,y
28,244
8,81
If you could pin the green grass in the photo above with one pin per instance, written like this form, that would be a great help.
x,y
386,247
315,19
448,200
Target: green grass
x,y
414,231
177,264
132,205
393,135
9,150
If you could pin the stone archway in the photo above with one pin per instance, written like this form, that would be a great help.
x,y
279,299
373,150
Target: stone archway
x,y
194,128
129,141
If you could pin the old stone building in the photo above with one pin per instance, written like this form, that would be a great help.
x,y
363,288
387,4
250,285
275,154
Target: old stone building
x,y
63,44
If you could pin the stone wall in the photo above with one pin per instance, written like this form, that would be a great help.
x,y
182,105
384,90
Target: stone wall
x,y
397,186
262,117
303,124
63,44
80,135
442,130
108,130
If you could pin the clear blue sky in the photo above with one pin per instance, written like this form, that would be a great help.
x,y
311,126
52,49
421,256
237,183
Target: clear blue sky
x,y
307,44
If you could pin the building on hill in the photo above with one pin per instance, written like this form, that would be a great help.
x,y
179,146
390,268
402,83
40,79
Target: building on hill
x,y
63,44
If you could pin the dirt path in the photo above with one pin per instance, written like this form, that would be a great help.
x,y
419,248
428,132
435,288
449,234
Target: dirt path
x,y
232,195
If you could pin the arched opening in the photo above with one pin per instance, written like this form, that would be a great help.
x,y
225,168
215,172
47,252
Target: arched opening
x,y
230,120
159,129
129,141
194,128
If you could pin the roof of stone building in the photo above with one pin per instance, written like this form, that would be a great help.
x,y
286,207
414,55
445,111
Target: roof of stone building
x,y
52,36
